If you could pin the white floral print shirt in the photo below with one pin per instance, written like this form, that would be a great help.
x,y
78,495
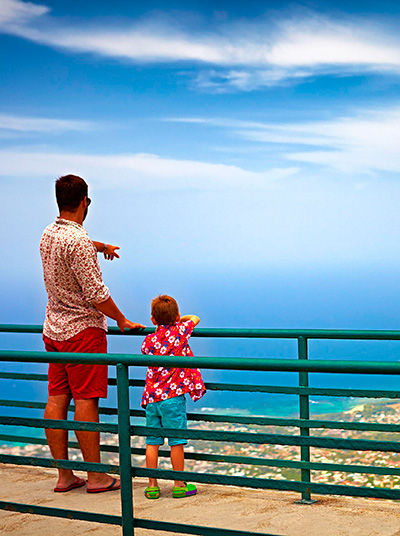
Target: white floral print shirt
x,y
73,281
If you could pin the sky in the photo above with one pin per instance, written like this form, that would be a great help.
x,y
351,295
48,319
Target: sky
x,y
219,140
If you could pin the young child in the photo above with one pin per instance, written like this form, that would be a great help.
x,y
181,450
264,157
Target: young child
x,y
164,392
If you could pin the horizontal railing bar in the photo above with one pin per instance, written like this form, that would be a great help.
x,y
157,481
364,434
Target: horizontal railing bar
x,y
243,363
273,439
193,529
211,435
21,328
24,439
346,468
94,517
299,423
241,332
62,464
267,483
244,460
22,404
60,424
280,333
238,419
224,480
221,458
23,376
279,389
212,386
311,391
287,464
41,405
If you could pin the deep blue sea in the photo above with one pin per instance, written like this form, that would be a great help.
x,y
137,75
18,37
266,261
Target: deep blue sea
x,y
342,298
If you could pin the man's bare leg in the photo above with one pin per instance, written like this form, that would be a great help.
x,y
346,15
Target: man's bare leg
x,y
89,442
57,408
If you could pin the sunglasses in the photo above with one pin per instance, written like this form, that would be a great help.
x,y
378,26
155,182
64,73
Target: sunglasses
x,y
88,200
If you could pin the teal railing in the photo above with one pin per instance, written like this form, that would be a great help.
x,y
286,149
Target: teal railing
x,y
304,440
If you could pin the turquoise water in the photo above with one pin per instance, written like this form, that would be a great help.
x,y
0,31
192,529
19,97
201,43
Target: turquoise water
x,y
331,299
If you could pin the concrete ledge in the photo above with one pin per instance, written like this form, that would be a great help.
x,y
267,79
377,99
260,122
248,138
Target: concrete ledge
x,y
218,506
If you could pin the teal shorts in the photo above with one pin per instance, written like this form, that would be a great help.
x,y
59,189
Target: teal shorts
x,y
170,413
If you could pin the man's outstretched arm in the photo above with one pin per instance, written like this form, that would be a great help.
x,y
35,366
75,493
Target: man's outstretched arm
x,y
109,308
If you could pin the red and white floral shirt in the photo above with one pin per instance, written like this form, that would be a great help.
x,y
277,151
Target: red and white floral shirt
x,y
73,281
162,382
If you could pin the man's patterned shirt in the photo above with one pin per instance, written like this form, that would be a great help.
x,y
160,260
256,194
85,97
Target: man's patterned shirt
x,y
73,281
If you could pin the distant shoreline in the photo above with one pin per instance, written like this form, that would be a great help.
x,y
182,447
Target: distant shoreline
x,y
354,406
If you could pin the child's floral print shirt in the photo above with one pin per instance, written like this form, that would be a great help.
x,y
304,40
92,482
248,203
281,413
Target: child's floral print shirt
x,y
161,382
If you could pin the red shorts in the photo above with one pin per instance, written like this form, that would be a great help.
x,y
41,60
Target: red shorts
x,y
79,381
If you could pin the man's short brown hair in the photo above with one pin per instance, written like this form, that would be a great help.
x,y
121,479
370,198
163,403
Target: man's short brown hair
x,y
164,310
70,190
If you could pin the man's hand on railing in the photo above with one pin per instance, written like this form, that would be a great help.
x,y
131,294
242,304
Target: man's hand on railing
x,y
124,324
109,308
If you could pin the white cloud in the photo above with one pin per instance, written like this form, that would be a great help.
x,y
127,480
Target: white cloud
x,y
227,80
19,13
245,55
320,41
145,171
39,124
363,143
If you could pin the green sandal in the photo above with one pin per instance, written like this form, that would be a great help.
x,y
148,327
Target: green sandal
x,y
186,491
152,492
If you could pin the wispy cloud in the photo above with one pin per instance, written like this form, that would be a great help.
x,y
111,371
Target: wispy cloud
x,y
243,55
363,143
22,124
146,171
228,80
16,13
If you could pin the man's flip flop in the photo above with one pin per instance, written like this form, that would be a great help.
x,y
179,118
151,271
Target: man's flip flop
x,y
79,482
111,487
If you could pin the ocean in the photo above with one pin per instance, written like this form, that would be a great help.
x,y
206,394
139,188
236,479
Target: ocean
x,y
311,298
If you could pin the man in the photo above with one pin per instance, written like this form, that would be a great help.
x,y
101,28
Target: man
x,y
75,321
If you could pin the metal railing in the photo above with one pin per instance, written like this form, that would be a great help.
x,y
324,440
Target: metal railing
x,y
304,440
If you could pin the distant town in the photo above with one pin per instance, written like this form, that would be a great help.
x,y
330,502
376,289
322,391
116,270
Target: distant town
x,y
377,412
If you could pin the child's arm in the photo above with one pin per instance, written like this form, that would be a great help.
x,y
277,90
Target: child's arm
x,y
107,249
195,319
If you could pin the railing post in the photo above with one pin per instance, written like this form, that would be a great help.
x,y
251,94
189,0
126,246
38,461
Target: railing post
x,y
125,460
304,411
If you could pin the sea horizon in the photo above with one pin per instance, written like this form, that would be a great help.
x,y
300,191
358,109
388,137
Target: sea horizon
x,y
335,300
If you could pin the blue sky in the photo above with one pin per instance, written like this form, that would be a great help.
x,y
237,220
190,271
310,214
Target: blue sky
x,y
215,136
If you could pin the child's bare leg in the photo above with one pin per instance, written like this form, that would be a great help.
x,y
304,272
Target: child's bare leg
x,y
152,461
178,461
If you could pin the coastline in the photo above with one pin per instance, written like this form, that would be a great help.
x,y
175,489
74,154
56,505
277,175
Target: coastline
x,y
377,412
